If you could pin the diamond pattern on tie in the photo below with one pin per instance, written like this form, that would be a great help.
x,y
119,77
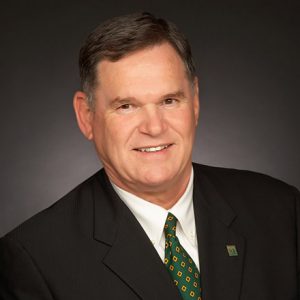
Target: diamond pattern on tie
x,y
180,265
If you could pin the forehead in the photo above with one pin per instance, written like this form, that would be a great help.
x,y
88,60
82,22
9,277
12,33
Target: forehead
x,y
151,68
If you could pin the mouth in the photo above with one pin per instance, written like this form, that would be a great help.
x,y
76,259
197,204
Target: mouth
x,y
152,149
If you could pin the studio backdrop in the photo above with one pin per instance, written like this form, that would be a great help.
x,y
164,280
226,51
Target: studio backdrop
x,y
247,58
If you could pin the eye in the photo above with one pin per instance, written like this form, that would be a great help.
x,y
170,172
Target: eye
x,y
126,108
170,102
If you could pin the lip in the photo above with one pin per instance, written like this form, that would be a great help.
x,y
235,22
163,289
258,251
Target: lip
x,y
151,148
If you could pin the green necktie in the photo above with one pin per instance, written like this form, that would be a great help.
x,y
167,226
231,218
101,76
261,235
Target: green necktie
x,y
180,265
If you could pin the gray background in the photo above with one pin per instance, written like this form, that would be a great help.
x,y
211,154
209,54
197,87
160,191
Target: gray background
x,y
247,56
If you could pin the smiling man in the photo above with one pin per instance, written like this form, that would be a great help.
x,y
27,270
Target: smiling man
x,y
151,224
144,130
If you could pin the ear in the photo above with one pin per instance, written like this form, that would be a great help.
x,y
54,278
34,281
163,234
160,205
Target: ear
x,y
196,101
84,114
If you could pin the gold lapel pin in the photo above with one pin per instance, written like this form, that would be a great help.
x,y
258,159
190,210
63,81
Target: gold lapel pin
x,y
231,249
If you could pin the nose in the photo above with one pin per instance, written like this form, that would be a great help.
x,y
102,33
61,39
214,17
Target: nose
x,y
152,122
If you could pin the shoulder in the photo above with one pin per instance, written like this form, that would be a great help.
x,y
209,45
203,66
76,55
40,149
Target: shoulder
x,y
51,243
248,188
61,217
246,179
262,205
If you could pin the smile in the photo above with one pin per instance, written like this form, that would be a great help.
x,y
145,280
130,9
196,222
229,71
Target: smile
x,y
153,149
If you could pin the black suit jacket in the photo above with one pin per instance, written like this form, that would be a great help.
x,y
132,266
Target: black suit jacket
x,y
89,246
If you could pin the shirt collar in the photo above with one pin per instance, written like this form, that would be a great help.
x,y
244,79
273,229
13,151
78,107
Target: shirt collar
x,y
152,217
184,209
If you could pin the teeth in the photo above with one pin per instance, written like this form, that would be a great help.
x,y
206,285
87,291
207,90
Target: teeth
x,y
153,149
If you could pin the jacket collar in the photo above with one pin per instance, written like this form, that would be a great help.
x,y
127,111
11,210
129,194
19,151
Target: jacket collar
x,y
221,249
131,255
134,260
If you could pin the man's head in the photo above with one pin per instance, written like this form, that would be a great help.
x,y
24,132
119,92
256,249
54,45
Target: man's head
x,y
123,35
145,108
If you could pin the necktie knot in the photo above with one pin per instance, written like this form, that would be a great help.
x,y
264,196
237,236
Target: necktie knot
x,y
170,226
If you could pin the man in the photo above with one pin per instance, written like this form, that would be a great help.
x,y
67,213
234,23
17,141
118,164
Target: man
x,y
152,225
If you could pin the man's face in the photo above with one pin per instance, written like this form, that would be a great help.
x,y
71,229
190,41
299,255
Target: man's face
x,y
144,121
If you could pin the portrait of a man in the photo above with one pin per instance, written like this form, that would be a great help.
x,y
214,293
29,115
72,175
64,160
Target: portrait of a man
x,y
153,224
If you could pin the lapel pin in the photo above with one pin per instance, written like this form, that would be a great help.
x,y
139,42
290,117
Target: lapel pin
x,y
231,249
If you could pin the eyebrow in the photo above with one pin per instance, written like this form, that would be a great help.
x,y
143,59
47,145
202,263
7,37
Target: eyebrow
x,y
120,101
177,94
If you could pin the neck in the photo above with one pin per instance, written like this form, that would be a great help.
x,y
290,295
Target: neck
x,y
165,196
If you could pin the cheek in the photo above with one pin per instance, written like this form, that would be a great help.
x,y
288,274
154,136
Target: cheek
x,y
183,121
117,131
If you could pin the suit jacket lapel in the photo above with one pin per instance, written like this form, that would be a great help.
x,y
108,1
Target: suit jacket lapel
x,y
221,272
131,255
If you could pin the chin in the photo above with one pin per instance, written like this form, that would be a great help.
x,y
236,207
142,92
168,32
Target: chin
x,y
156,178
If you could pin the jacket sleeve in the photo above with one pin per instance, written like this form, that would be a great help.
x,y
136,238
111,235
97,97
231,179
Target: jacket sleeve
x,y
20,278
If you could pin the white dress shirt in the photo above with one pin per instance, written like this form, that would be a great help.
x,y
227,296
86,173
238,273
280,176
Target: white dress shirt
x,y
153,217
